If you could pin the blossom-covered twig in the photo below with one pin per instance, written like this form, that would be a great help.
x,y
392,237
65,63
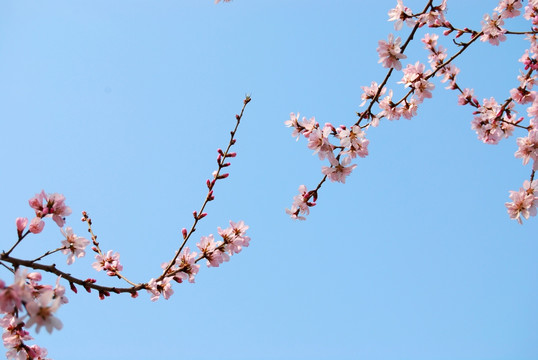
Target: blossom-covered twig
x,y
341,144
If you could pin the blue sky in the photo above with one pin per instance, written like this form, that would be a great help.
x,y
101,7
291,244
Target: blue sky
x,y
121,105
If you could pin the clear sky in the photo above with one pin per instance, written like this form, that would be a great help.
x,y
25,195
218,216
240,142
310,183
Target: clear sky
x,y
121,105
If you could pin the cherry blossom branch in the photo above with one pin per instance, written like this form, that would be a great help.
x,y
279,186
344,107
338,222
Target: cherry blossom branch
x,y
493,122
88,284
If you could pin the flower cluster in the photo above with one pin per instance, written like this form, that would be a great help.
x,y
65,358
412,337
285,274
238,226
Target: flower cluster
x,y
524,201
23,304
48,205
348,143
109,263
185,266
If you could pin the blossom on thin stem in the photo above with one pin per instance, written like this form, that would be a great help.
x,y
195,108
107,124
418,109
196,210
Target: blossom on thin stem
x,y
390,52
211,251
400,14
158,288
524,201
528,147
50,205
109,262
509,8
74,246
491,27
301,204
339,170
41,312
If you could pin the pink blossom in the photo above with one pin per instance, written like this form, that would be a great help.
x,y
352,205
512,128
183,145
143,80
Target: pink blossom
x,y
301,204
186,263
390,110
156,288
415,78
493,32
11,298
21,225
54,206
400,14
41,312
39,353
409,109
309,126
436,17
524,201
319,142
449,72
292,122
509,8
353,141
522,95
370,92
487,124
339,170
109,262
529,61
390,52
466,97
211,250
59,291
36,225
531,12
528,147
234,237
430,40
74,246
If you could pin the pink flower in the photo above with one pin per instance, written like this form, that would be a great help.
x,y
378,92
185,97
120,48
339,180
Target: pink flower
x,y
339,170
390,53
186,263
353,141
74,245
409,109
156,288
487,125
21,225
294,123
11,297
301,204
400,14
522,95
466,97
436,17
509,8
36,225
528,147
390,110
415,77
493,32
370,92
212,251
318,141
109,262
524,201
41,312
234,237
54,206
